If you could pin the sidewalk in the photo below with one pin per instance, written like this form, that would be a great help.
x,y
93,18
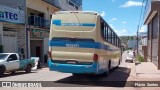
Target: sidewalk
x,y
147,69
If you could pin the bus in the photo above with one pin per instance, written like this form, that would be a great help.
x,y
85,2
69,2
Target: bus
x,y
81,42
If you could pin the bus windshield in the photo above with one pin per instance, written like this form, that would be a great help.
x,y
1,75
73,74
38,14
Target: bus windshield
x,y
74,22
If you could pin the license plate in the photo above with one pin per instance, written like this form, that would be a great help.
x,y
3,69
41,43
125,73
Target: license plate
x,y
71,62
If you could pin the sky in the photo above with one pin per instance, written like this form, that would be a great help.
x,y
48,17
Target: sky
x,y
122,15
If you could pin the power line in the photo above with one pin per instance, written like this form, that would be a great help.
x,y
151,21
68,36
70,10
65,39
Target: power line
x,y
139,23
140,16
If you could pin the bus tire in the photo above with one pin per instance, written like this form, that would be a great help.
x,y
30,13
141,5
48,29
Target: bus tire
x,y
119,62
28,69
75,74
108,71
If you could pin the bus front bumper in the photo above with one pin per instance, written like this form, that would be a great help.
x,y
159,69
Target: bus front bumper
x,y
72,68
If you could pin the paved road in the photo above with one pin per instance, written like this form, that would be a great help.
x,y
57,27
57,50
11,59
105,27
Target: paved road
x,y
120,74
125,72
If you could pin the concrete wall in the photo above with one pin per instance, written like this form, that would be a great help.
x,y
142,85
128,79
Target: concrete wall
x,y
17,4
64,5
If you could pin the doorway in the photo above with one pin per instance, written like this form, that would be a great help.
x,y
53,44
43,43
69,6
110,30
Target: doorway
x,y
36,49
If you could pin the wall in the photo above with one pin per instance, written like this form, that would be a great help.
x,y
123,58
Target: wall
x,y
41,6
64,5
19,29
17,4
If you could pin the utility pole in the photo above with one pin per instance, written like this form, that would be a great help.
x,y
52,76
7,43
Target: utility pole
x,y
137,37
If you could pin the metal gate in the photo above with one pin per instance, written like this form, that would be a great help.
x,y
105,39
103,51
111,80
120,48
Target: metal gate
x,y
10,43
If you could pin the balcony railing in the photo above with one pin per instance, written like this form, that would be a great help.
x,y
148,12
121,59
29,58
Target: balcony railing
x,y
38,21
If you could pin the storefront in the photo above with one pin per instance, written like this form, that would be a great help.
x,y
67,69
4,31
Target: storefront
x,y
12,28
38,43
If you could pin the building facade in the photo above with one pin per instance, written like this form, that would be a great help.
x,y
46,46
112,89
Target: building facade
x,y
25,25
38,13
152,20
65,5
12,26
143,45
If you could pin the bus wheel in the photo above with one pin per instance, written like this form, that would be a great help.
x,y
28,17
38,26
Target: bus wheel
x,y
75,74
108,71
119,62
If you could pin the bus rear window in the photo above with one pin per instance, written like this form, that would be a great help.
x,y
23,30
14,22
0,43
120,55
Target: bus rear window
x,y
72,39
74,22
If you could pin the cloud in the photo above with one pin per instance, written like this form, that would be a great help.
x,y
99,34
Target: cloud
x,y
124,22
122,32
103,14
114,19
143,29
112,26
131,4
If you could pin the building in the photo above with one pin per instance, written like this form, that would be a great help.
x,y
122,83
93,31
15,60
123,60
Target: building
x,y
143,45
132,44
12,26
25,24
39,13
66,5
152,20
143,38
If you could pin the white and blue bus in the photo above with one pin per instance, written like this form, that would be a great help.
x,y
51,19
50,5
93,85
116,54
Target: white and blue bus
x,y
82,43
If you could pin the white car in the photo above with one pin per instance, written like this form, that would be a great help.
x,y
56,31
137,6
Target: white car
x,y
130,56
36,59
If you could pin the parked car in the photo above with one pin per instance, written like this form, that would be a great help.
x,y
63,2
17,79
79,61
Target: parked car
x,y
10,62
36,60
130,56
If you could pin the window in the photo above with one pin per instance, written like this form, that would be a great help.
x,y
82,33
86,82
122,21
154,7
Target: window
x,y
155,27
115,40
106,33
109,35
102,30
12,57
71,3
149,29
113,35
119,43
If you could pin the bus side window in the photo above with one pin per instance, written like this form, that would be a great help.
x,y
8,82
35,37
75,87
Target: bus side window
x,y
102,29
106,33
109,35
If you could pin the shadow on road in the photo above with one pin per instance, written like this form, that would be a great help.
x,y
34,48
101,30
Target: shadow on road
x,y
117,77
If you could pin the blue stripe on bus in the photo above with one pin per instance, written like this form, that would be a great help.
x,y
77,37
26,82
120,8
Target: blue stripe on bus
x,y
71,68
95,45
59,23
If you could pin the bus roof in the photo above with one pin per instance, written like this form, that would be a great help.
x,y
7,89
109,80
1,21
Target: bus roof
x,y
82,12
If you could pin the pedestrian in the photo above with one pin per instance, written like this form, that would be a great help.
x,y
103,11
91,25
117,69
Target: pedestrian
x,y
134,53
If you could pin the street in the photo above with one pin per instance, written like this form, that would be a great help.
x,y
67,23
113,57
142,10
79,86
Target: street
x,y
125,72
